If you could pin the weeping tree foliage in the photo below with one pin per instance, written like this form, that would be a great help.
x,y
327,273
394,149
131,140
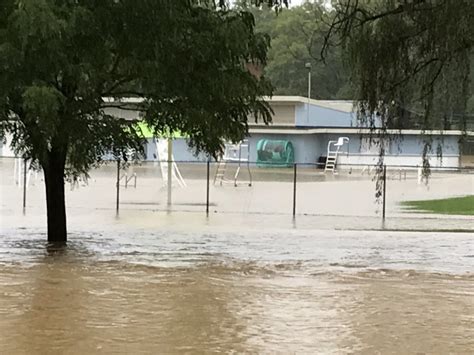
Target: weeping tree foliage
x,y
64,63
410,62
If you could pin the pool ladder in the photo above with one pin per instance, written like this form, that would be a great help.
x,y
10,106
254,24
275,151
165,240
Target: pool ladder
x,y
331,158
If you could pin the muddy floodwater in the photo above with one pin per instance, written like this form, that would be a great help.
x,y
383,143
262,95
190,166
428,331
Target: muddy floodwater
x,y
209,289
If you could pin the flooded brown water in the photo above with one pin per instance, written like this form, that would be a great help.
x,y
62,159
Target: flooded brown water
x,y
131,291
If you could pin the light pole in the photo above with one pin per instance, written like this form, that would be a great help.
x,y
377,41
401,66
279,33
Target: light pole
x,y
308,66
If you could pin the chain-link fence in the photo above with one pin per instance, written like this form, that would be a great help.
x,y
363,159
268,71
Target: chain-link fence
x,y
210,187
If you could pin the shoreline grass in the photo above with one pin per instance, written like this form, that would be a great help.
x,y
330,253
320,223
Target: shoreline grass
x,y
455,206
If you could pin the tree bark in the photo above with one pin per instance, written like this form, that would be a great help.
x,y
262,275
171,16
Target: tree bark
x,y
55,199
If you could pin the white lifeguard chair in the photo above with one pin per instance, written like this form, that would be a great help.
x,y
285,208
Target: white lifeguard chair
x,y
234,154
334,148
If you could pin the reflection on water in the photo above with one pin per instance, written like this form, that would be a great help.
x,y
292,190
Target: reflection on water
x,y
318,292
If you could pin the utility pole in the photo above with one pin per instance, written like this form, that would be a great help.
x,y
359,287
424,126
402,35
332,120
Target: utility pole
x,y
308,66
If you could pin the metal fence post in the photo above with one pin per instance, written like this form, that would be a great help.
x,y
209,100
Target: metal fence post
x,y
170,170
118,187
384,189
294,189
207,191
24,186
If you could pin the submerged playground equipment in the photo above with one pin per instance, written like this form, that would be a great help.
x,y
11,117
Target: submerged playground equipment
x,y
165,156
23,172
234,154
275,153
334,148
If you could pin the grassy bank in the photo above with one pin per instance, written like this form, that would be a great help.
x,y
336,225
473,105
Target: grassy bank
x,y
456,205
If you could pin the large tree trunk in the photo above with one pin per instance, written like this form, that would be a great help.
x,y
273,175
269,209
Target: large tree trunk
x,y
55,199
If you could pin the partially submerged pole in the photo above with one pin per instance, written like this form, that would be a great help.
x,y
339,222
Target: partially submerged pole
x,y
207,191
24,186
118,187
170,171
294,189
384,190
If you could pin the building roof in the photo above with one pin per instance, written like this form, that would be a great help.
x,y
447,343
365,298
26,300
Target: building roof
x,y
353,130
339,105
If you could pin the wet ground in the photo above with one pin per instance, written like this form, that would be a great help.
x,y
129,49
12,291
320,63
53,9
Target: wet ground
x,y
152,281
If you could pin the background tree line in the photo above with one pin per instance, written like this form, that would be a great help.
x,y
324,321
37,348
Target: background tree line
x,y
298,35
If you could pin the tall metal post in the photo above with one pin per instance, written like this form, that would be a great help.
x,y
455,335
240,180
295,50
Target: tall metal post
x,y
308,66
118,187
24,186
309,84
207,191
170,169
294,189
384,189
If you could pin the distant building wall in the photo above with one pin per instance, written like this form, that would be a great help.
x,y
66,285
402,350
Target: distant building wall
x,y
323,117
181,151
283,114
397,160
329,117
406,150
403,150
